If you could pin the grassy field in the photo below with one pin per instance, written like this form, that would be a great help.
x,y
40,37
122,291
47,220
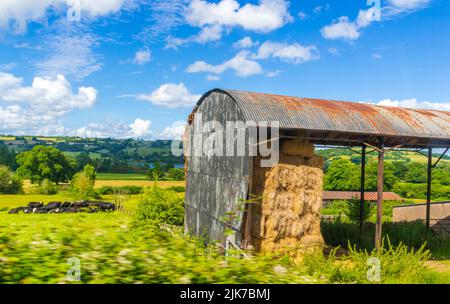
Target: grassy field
x,y
142,183
121,176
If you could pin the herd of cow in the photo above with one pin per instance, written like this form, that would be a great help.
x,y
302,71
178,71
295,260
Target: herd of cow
x,y
65,207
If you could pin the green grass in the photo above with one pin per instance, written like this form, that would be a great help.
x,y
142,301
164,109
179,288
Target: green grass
x,y
121,176
115,248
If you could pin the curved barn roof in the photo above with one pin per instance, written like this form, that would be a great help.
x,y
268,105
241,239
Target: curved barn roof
x,y
330,120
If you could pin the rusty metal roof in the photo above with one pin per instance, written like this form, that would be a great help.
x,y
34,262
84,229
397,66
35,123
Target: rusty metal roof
x,y
368,196
335,121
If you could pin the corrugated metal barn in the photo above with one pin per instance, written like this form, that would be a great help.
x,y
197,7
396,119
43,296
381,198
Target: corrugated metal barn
x,y
216,184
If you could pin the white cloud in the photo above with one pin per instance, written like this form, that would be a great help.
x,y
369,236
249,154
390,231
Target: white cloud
x,y
142,56
175,131
409,4
273,73
320,8
15,15
267,16
342,29
302,15
207,34
345,29
240,64
212,78
70,52
377,56
293,53
245,43
140,128
48,99
415,104
171,95
215,18
333,51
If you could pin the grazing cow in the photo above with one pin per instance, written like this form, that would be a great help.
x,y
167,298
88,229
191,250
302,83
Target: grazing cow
x,y
41,210
69,210
66,205
52,205
80,204
33,205
104,206
16,210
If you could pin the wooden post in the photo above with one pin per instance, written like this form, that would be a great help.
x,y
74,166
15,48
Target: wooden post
x,y
430,157
380,182
361,195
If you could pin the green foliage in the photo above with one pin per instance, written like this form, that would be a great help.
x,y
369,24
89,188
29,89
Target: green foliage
x,y
9,184
352,211
160,206
398,264
342,175
165,172
175,174
108,190
372,174
414,235
45,163
47,187
82,185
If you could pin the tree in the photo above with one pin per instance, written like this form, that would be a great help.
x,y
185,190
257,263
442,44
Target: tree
x,y
372,176
352,210
342,175
9,184
156,172
175,174
417,173
83,183
43,162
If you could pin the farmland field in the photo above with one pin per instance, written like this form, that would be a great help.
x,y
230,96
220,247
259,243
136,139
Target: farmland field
x,y
121,176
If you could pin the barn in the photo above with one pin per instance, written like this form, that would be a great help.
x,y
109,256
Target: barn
x,y
247,152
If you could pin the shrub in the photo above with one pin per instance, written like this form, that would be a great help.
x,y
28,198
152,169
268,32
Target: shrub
x,y
82,185
413,234
352,210
160,206
110,190
398,264
9,184
47,187
178,189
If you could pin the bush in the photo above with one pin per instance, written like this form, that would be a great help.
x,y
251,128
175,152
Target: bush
x,y
82,185
110,190
47,187
352,210
160,206
9,184
398,264
178,189
413,234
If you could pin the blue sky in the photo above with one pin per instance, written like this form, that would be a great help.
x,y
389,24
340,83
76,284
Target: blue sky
x,y
135,68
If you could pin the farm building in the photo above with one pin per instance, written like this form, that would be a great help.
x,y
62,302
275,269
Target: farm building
x,y
236,196
330,196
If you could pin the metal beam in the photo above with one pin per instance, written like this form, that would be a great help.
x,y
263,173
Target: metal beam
x,y
361,195
440,157
380,182
430,166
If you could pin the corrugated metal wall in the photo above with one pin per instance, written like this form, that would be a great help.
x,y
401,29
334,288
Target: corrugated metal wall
x,y
215,184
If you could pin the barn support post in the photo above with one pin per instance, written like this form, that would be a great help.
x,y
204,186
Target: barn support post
x,y
430,157
361,195
380,182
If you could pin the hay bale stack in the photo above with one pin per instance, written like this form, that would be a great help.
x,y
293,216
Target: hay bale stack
x,y
287,218
298,147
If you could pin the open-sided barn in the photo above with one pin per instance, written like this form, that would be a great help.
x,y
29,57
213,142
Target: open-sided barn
x,y
221,185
